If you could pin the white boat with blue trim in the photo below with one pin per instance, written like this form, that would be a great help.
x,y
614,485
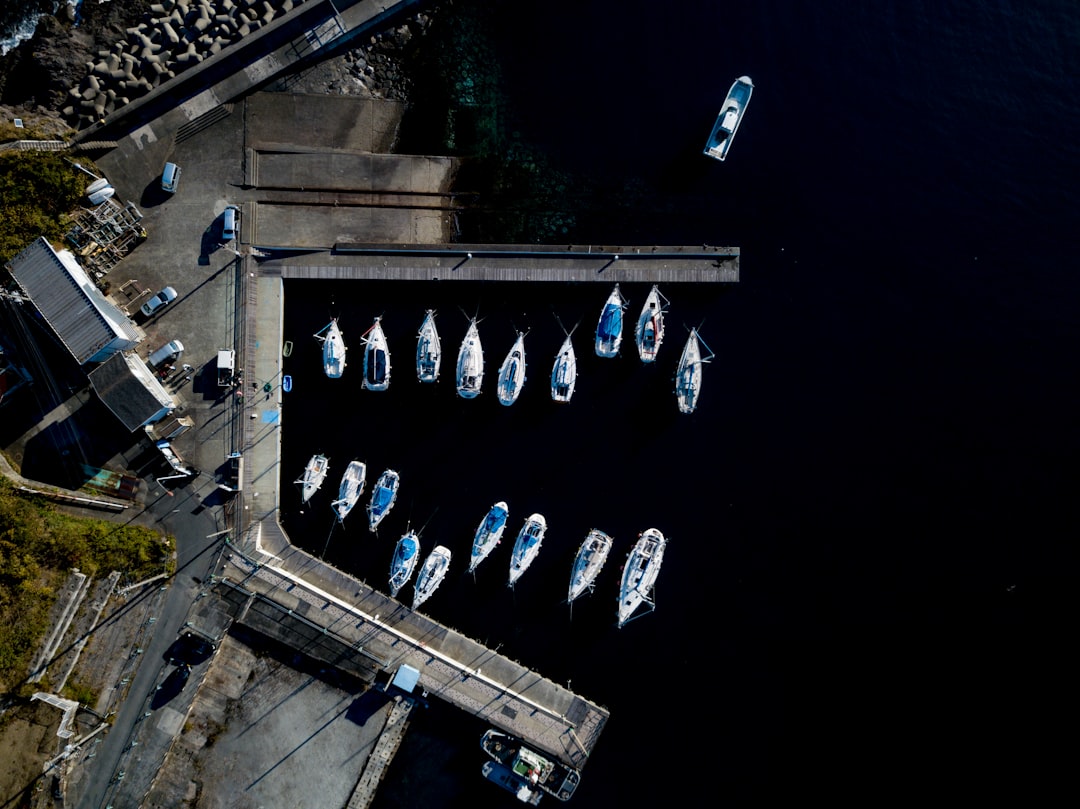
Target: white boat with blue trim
x,y
609,328
403,563
649,332
527,546
333,349
488,533
352,486
689,374
431,574
639,574
376,358
428,350
470,364
383,497
731,115
589,560
512,372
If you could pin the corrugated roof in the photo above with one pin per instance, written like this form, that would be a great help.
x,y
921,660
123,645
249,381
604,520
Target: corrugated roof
x,y
83,318
127,387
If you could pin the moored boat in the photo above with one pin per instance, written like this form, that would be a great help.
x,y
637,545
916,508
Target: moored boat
x,y
538,770
512,782
431,574
649,332
403,562
689,374
640,572
313,477
376,358
352,486
488,533
564,371
383,497
428,350
470,364
527,546
589,560
333,349
731,115
609,329
512,372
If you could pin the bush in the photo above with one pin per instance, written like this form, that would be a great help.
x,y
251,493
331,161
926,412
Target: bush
x,y
37,190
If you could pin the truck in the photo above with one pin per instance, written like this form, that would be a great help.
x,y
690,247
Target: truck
x,y
226,362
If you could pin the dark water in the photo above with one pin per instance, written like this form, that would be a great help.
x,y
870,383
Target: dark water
x,y
869,515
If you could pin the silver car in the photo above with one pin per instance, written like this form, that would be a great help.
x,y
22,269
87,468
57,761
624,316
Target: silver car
x,y
163,298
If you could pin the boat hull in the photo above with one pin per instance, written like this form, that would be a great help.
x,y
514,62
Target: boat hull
x,y
731,115
313,477
640,572
688,377
403,563
431,575
428,350
649,332
564,373
610,327
488,534
512,373
527,546
383,497
470,364
376,359
588,562
333,351
350,489
538,771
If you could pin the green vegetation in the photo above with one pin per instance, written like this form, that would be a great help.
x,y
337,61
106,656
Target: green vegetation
x,y
37,190
38,547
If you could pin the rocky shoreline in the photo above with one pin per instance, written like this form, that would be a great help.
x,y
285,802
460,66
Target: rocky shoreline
x,y
69,75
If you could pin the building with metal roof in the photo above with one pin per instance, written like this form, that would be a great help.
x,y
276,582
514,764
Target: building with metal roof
x,y
90,326
127,386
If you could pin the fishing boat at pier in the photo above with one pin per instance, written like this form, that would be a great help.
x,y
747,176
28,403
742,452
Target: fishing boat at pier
x,y
431,574
564,371
731,115
589,560
538,770
488,533
512,782
376,358
333,349
428,350
470,364
512,372
352,486
649,332
383,497
640,572
527,546
689,374
404,561
609,329
313,477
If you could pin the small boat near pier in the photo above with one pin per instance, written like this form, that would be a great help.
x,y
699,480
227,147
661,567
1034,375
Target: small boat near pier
x,y
609,329
376,358
313,477
512,372
488,533
564,371
527,546
403,562
536,769
689,374
649,332
640,572
383,497
428,350
333,349
470,364
352,486
431,574
589,560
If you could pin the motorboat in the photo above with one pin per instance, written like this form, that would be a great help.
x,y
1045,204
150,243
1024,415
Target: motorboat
x,y
688,376
591,556
527,546
352,486
333,349
403,563
610,326
512,372
313,477
383,496
470,363
488,533
649,332
535,769
640,572
564,371
731,115
431,574
428,350
376,358
512,782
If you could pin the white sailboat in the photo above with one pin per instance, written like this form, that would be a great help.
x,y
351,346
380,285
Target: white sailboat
x,y
564,371
431,574
609,329
313,477
589,560
403,562
428,350
527,545
488,533
333,349
640,572
688,376
649,332
352,486
376,358
512,372
470,364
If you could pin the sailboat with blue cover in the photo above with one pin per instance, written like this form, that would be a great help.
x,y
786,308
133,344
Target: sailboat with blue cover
x,y
610,327
406,552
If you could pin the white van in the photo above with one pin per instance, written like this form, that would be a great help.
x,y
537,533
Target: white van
x,y
170,352
230,223
170,177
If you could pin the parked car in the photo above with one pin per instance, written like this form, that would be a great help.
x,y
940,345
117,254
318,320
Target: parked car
x,y
163,298
230,225
170,178
170,352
